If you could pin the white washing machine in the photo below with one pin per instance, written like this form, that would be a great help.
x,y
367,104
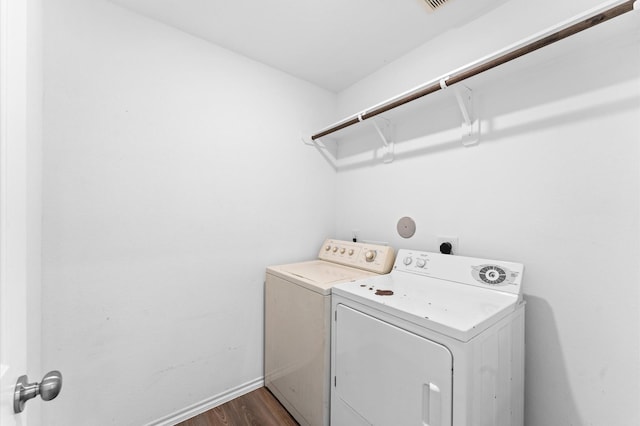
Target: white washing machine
x,y
298,326
438,342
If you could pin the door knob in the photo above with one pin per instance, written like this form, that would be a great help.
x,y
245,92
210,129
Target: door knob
x,y
48,389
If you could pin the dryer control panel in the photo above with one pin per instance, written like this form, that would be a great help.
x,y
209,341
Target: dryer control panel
x,y
491,274
369,257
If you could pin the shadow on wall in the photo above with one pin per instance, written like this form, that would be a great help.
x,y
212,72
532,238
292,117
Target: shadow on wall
x,y
579,115
490,134
544,353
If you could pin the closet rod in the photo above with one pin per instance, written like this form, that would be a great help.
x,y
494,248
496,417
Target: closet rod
x,y
599,16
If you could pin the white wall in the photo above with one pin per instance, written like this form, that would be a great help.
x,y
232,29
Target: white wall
x,y
553,184
173,175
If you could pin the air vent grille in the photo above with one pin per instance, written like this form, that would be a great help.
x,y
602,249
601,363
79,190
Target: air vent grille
x,y
436,4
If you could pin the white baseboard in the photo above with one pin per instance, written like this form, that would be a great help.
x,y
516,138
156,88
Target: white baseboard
x,y
208,404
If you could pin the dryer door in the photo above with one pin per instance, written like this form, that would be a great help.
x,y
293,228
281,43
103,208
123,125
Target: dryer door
x,y
388,375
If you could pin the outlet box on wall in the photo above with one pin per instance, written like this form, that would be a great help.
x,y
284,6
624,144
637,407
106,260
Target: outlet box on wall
x,y
452,240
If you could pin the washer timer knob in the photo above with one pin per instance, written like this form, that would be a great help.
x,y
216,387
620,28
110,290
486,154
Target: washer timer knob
x,y
370,255
420,263
407,260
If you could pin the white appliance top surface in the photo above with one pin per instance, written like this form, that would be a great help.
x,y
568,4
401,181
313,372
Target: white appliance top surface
x,y
339,261
454,308
318,275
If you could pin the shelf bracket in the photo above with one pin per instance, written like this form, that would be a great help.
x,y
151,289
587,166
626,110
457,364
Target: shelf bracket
x,y
328,153
385,131
471,124
308,141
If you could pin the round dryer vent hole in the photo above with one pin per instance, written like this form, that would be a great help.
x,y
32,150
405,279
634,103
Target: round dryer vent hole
x,y
406,227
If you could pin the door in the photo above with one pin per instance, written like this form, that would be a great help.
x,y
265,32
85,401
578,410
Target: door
x,y
388,376
16,216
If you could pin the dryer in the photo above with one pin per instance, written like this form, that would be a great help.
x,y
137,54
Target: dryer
x,y
298,326
439,341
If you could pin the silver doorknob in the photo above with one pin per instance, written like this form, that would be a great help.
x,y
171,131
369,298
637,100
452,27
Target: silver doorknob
x,y
48,389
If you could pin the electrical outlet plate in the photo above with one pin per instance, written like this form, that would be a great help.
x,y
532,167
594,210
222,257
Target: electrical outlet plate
x,y
446,239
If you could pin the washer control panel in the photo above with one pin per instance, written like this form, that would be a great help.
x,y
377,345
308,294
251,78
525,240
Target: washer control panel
x,y
370,257
491,274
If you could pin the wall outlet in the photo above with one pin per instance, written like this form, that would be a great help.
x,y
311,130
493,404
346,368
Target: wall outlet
x,y
452,240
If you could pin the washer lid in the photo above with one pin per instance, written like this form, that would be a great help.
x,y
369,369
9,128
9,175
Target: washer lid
x,y
452,309
318,275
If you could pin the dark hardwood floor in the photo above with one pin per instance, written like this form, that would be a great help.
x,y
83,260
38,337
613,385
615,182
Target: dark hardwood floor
x,y
257,408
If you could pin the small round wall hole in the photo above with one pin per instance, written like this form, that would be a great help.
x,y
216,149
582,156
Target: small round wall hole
x,y
406,227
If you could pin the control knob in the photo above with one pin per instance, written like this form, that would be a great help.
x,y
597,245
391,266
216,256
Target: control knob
x,y
327,247
407,260
420,263
350,252
370,255
342,250
335,249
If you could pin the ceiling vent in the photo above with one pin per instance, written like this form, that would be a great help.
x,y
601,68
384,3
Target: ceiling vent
x,y
436,4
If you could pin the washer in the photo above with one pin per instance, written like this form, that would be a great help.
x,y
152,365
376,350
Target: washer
x,y
298,325
439,341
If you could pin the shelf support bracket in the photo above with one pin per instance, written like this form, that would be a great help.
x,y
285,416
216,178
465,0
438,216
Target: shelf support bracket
x,y
329,154
385,131
471,124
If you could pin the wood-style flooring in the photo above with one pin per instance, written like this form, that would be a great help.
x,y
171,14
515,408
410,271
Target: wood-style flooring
x,y
257,408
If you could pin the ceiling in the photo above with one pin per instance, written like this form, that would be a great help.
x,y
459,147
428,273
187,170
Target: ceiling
x,y
330,43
